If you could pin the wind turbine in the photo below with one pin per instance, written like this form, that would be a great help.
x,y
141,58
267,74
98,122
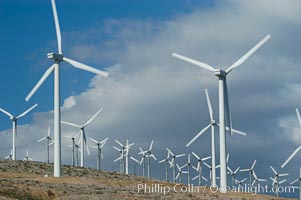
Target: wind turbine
x,y
251,171
74,148
233,174
295,181
14,119
120,159
212,125
83,139
298,149
142,161
48,138
224,109
180,172
199,176
99,147
188,165
173,162
125,154
199,167
150,155
58,58
239,182
27,158
276,181
166,160
256,180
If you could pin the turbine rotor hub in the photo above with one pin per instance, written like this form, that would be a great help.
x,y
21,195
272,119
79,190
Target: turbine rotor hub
x,y
220,73
55,56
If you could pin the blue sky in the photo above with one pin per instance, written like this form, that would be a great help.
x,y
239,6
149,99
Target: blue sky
x,y
150,95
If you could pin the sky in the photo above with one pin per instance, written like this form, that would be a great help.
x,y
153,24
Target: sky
x,y
149,95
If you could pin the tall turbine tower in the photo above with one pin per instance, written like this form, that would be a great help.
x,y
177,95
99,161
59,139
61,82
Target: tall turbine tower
x,y
58,58
14,119
224,109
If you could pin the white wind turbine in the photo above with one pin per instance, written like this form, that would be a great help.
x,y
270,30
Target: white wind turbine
x,y
99,146
188,165
27,157
173,162
212,125
143,158
295,181
233,174
256,180
199,167
166,160
48,138
180,172
124,155
298,149
83,139
276,181
150,155
120,159
74,148
224,109
199,176
251,171
58,58
239,182
14,119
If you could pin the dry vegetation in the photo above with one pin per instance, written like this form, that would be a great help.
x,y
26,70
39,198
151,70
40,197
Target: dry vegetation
x,y
25,180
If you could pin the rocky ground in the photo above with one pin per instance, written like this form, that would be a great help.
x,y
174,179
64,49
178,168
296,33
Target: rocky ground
x,y
25,180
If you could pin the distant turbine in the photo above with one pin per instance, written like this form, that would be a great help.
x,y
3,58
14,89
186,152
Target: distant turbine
x,y
142,161
14,120
224,109
166,160
199,167
239,182
27,158
256,180
48,138
173,162
58,58
124,154
298,149
188,165
180,172
212,124
99,147
199,176
74,149
251,171
233,174
276,181
9,157
83,139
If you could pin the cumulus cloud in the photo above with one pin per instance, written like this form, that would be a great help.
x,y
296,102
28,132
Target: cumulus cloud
x,y
151,95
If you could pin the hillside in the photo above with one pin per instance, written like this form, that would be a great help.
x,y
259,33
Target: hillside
x,y
25,180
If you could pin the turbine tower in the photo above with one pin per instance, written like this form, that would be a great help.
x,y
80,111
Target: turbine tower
x,y
58,58
14,119
212,124
74,148
83,139
224,109
173,162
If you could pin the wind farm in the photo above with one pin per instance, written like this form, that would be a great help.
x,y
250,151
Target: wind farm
x,y
141,115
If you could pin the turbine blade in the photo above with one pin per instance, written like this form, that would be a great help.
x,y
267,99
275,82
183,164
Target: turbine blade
x,y
282,181
27,111
161,161
236,131
94,116
284,174
71,124
298,115
294,181
195,177
194,62
237,169
229,169
198,135
272,168
85,67
93,140
117,141
207,165
171,153
180,155
248,54
244,170
40,82
40,140
48,133
134,159
104,140
253,165
209,105
57,27
204,178
227,108
116,148
206,158
151,145
196,156
153,156
291,156
255,176
7,113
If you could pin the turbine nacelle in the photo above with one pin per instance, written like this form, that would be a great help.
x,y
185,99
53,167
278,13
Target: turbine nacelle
x,y
55,56
220,73
213,122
